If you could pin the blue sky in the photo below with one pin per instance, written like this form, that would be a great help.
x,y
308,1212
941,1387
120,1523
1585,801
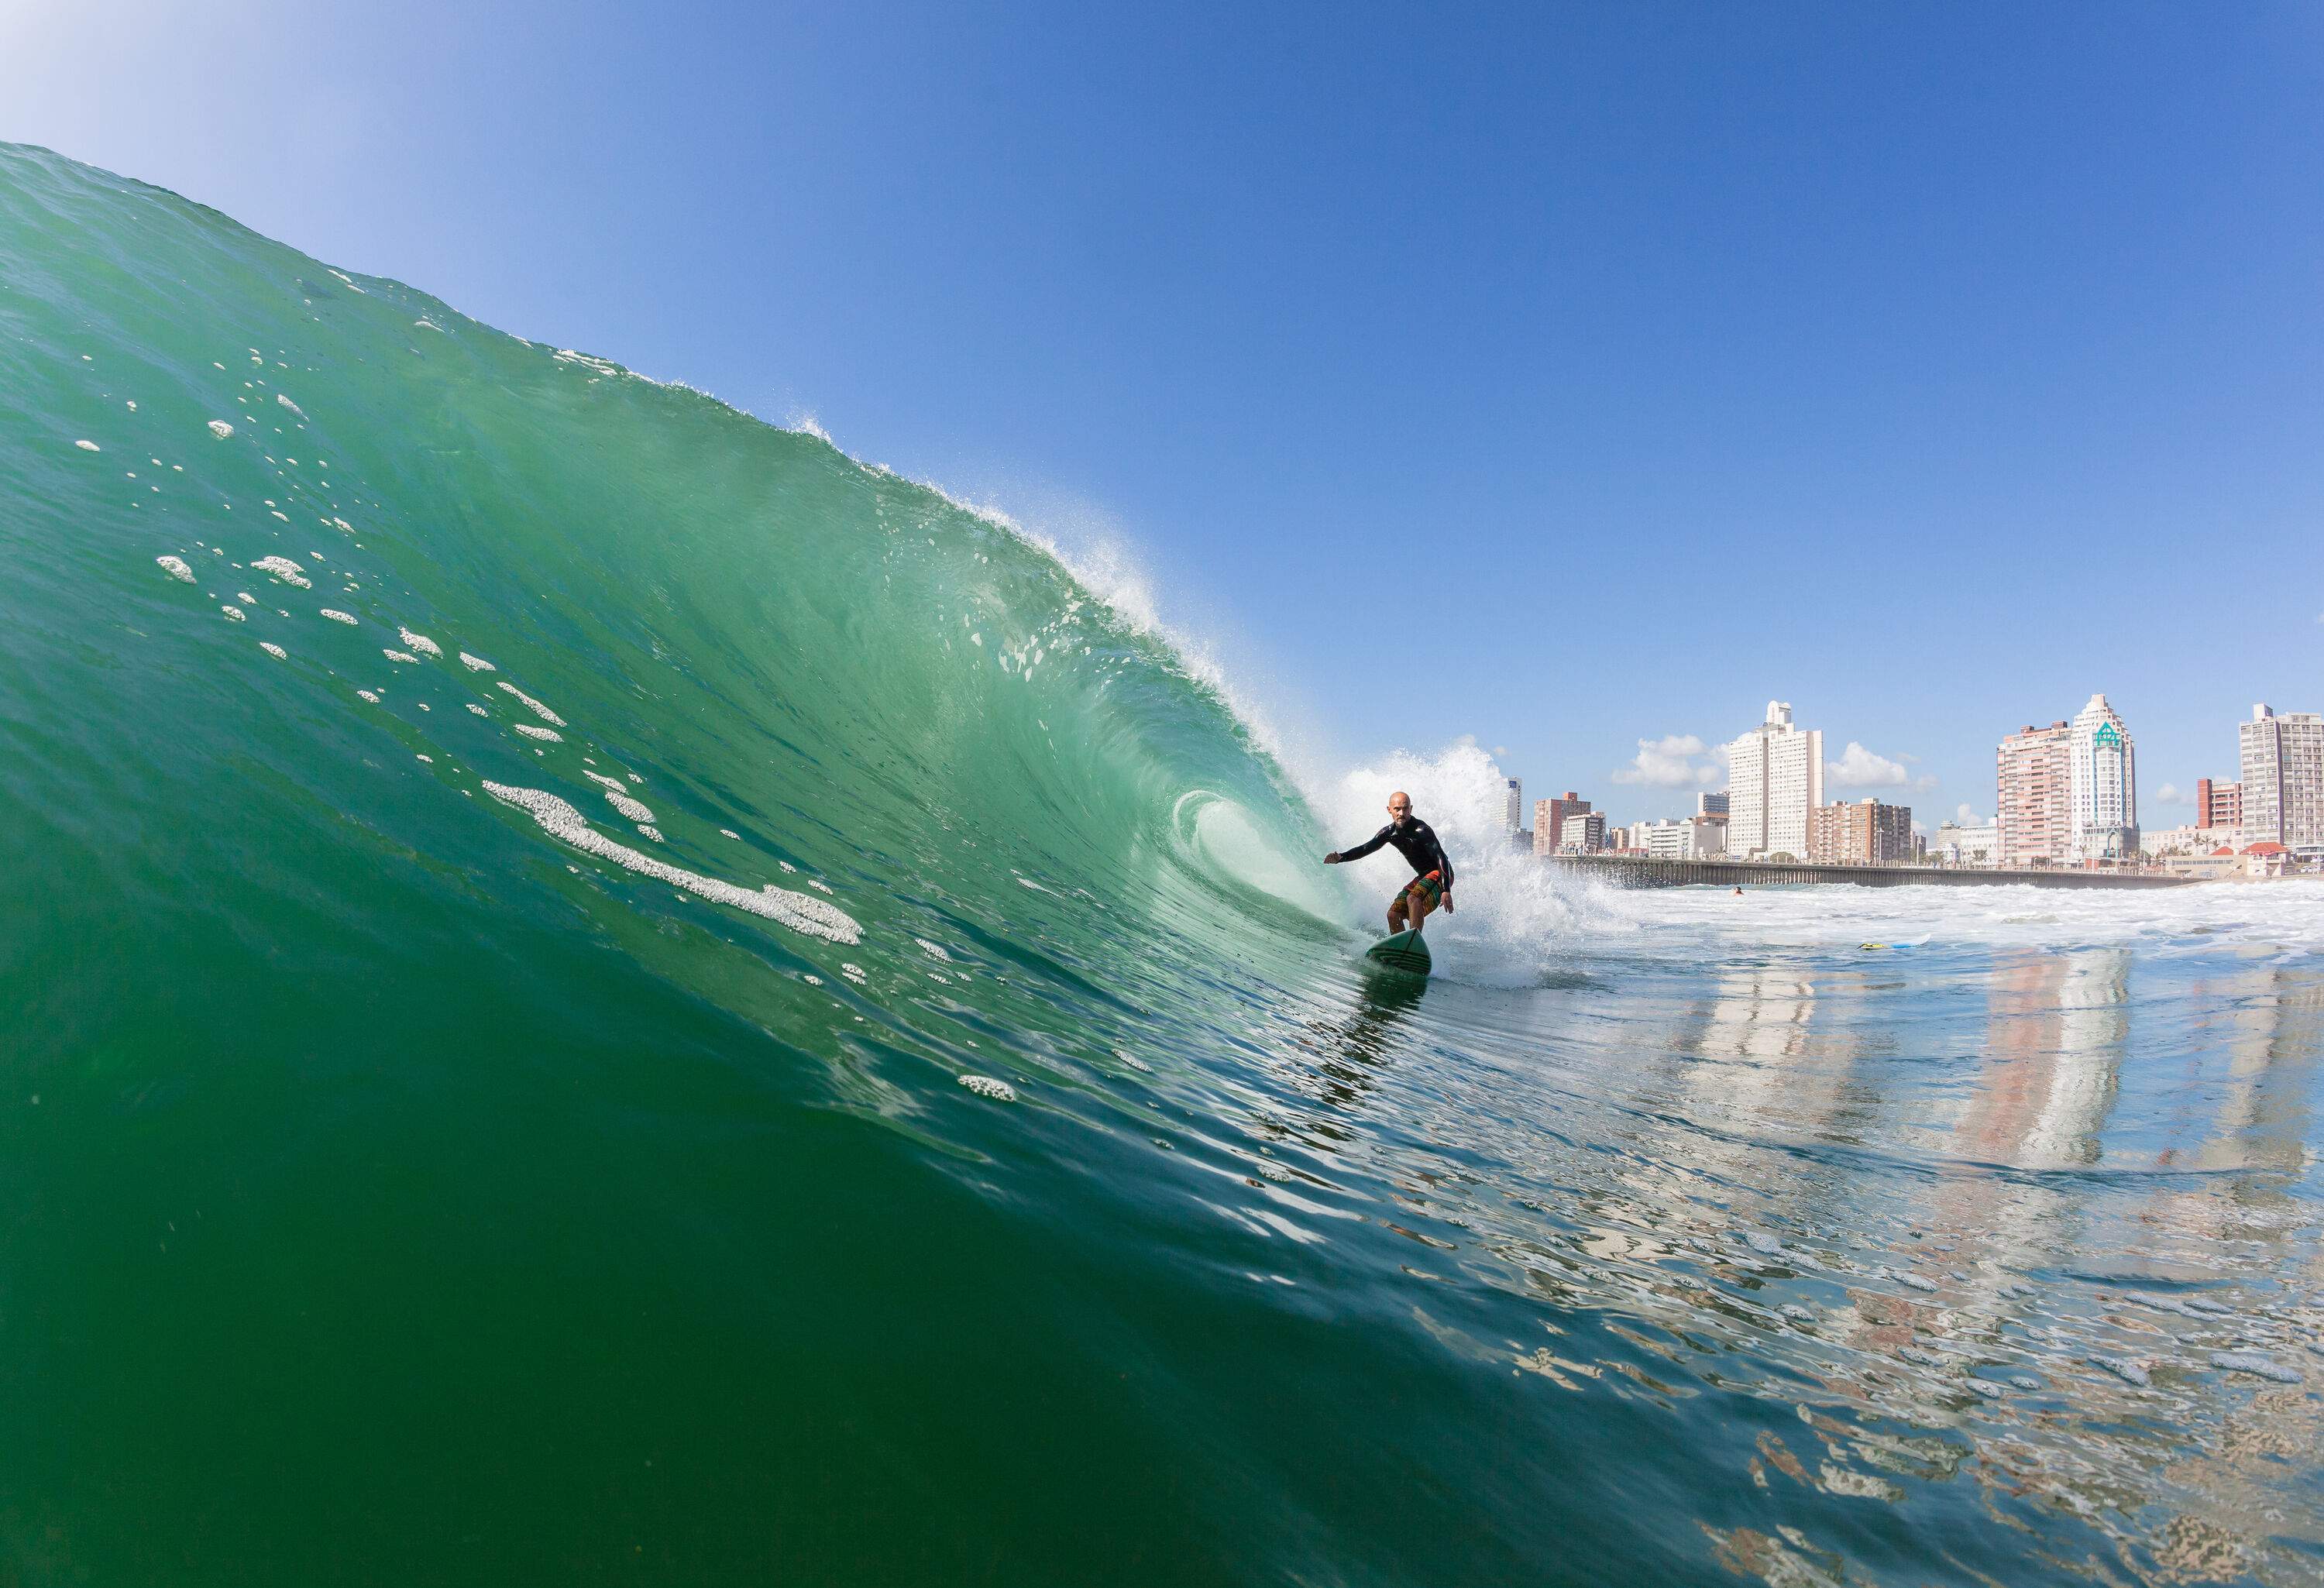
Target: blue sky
x,y
1565,377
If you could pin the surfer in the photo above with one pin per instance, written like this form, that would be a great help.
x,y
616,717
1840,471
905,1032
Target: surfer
x,y
1415,840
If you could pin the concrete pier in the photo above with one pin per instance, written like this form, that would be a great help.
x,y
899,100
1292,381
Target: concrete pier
x,y
1616,870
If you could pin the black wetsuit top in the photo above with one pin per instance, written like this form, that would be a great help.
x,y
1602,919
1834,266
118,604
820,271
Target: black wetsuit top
x,y
1417,842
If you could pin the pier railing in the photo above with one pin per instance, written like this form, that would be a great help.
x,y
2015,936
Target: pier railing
x,y
1632,872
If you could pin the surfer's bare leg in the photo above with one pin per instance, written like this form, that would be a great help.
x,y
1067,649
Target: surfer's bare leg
x,y
1421,908
1396,914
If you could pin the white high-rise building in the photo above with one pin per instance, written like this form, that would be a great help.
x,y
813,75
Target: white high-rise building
x,y
2102,786
1774,777
2284,777
1513,814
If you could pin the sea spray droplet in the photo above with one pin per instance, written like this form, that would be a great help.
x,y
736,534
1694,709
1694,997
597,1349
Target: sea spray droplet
x,y
338,617
479,710
175,567
367,695
986,1087
535,707
476,664
798,911
220,428
419,642
294,407
283,568
401,656
89,446
273,649
234,614
547,736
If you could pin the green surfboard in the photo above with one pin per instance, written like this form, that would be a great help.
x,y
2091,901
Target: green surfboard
x,y
1405,952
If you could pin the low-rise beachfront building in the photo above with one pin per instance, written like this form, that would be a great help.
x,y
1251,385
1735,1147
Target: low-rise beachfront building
x,y
1970,843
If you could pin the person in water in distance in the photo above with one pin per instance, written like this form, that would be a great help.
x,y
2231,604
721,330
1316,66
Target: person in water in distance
x,y
1415,840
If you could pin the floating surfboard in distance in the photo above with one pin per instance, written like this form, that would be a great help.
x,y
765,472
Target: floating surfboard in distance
x,y
1404,951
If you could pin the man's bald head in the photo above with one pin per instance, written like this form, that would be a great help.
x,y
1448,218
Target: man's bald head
x,y
1399,805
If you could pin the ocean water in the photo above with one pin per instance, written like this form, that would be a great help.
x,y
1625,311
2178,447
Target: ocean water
x,y
595,991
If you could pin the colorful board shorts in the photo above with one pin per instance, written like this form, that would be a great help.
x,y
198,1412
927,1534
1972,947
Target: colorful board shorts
x,y
1427,890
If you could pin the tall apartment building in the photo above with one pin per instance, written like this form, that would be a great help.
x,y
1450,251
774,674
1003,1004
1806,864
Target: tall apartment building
x,y
2102,785
1513,813
1549,820
2034,795
1710,804
2284,777
1774,777
2218,805
1866,833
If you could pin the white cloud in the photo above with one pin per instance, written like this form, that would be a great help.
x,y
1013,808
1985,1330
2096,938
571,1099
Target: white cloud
x,y
1859,768
2172,794
1669,762
1965,817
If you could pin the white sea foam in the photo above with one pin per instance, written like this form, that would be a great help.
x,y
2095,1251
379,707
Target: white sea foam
x,y
479,710
273,649
234,614
476,664
404,656
338,617
367,695
798,911
419,642
987,1086
294,407
547,736
287,571
650,831
175,567
535,707
220,428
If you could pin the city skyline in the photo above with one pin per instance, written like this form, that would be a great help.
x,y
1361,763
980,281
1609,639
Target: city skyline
x,y
2091,758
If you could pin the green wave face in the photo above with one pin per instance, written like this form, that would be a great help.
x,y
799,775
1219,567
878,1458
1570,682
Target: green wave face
x,y
504,852
722,647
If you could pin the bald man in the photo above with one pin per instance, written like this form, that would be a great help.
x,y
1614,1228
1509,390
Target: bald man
x,y
1415,840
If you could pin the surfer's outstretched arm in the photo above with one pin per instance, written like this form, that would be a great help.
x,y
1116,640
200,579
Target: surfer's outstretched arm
x,y
1341,856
